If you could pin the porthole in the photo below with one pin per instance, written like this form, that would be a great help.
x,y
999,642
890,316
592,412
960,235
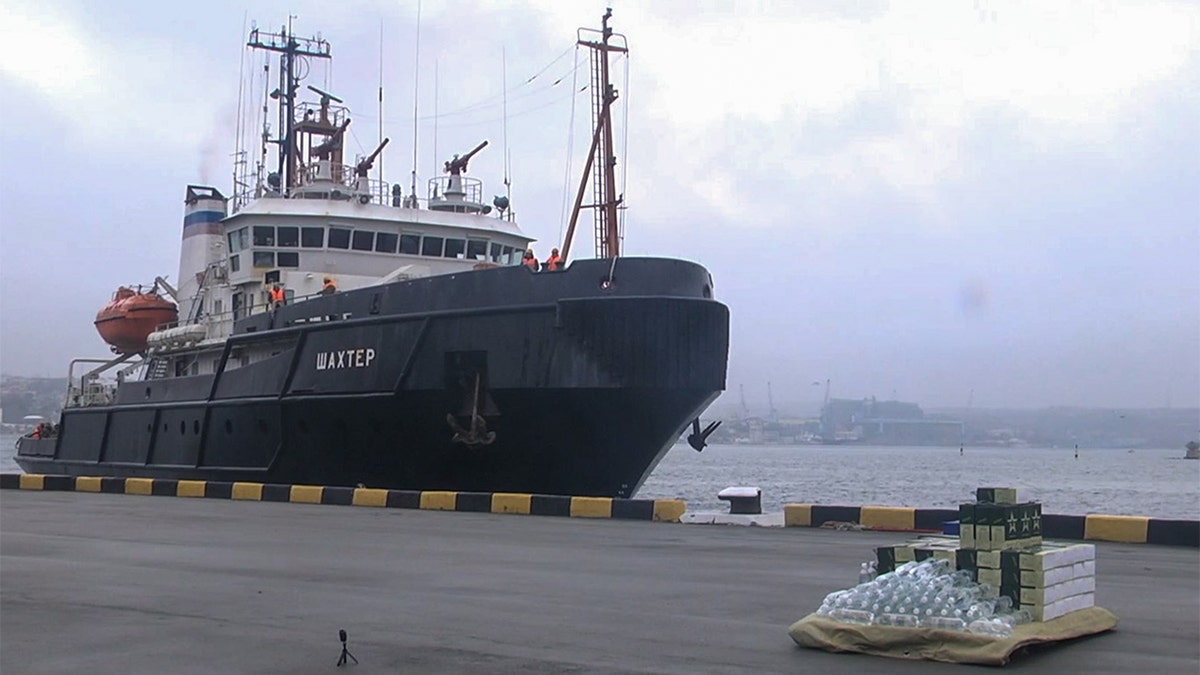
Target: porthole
x,y
149,428
229,426
196,427
147,392
164,426
182,427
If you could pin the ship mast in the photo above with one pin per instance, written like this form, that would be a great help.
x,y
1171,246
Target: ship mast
x,y
606,201
289,47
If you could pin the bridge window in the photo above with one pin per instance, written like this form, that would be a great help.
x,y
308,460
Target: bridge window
x,y
339,237
410,244
455,248
312,237
385,242
264,235
264,259
476,249
494,256
289,237
510,257
431,246
237,240
235,263
363,240
287,259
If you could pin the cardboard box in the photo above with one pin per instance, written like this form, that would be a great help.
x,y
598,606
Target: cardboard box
x,y
996,495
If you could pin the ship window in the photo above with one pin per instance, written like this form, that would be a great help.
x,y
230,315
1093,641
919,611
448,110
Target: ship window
x,y
363,240
287,259
410,244
235,263
289,237
339,237
509,258
264,259
455,248
312,237
431,246
385,242
235,242
264,235
476,249
494,256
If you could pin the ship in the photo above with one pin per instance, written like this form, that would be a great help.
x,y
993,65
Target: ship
x,y
326,328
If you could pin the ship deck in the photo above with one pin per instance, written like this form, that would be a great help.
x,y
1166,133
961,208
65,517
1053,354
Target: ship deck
x,y
112,582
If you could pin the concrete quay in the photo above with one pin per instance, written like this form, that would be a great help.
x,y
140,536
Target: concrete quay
x,y
120,583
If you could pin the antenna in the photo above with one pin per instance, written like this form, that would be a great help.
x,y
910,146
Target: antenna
x,y
382,186
504,81
416,91
435,113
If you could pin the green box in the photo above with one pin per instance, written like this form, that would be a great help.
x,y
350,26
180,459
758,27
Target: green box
x,y
996,495
885,558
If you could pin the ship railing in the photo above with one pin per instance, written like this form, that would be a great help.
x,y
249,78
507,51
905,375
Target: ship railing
x,y
346,185
306,111
89,389
471,190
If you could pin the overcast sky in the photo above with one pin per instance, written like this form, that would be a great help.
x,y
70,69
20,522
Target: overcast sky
x,y
985,202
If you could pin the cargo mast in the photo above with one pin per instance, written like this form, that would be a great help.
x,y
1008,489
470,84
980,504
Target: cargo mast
x,y
605,199
289,46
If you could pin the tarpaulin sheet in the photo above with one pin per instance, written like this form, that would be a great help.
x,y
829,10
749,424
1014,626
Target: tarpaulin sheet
x,y
950,646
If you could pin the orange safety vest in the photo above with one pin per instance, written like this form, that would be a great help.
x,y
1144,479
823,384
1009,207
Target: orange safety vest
x,y
531,263
553,262
277,296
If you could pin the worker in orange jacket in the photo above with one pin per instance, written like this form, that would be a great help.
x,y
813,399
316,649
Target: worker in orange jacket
x,y
554,262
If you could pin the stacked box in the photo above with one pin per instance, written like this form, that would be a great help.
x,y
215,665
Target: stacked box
x,y
992,495
1000,543
1049,580
996,527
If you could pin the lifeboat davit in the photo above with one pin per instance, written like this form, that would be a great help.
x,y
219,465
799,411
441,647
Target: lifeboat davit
x,y
131,316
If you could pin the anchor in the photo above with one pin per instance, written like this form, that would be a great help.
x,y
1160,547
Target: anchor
x,y
477,433
699,439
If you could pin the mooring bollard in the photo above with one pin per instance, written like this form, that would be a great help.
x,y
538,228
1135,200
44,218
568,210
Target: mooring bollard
x,y
742,500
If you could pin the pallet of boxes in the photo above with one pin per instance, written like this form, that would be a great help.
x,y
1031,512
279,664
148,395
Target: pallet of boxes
x,y
978,598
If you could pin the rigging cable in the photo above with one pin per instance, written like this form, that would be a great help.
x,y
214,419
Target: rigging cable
x,y
570,153
624,159
238,138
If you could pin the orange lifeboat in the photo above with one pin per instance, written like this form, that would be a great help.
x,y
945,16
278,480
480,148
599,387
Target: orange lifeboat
x,y
129,318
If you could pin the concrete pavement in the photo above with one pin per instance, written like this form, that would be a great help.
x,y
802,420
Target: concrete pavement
x,y
103,582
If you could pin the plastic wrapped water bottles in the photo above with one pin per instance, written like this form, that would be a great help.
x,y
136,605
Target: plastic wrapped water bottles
x,y
926,594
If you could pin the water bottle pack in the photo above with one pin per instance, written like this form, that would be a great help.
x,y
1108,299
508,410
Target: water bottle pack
x,y
928,593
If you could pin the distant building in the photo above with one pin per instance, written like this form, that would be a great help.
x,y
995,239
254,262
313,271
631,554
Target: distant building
x,y
885,423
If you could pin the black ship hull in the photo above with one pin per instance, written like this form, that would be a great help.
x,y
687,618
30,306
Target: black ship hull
x,y
575,382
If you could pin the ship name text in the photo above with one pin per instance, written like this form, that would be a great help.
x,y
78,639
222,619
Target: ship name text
x,y
345,358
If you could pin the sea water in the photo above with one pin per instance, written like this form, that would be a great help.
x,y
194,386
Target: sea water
x,y
1156,482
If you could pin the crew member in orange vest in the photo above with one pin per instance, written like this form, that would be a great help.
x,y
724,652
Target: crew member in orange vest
x,y
554,262
328,287
278,299
529,260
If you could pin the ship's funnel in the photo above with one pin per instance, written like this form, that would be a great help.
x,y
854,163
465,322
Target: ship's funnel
x,y
203,243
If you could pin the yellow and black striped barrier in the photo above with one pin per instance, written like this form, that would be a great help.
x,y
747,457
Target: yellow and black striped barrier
x,y
1128,529
665,510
